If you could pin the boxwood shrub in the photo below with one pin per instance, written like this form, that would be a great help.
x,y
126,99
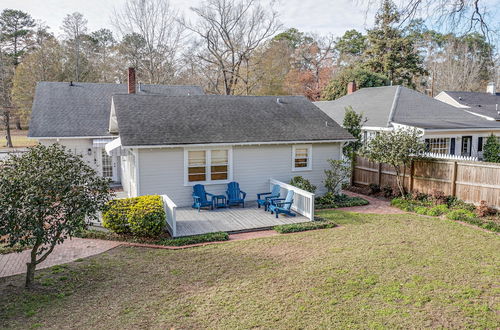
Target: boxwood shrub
x,y
304,226
188,240
139,216
115,218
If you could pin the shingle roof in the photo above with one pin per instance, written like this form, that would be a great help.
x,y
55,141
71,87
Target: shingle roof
x,y
398,104
481,103
160,120
61,110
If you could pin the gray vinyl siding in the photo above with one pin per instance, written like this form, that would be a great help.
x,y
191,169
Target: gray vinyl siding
x,y
161,170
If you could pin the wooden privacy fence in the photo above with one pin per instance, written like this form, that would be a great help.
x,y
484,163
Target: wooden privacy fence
x,y
468,181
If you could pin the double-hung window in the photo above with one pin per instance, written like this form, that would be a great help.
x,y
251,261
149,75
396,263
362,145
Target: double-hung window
x,y
207,165
301,157
439,145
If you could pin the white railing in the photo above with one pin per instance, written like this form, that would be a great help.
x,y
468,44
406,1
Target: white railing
x,y
170,207
303,201
448,156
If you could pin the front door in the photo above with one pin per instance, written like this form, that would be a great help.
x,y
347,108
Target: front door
x,y
110,166
466,145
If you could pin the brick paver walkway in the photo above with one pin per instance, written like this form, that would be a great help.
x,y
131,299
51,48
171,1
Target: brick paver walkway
x,y
70,250
377,206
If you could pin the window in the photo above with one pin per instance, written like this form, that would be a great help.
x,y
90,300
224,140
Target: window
x,y
197,167
301,158
207,166
439,145
107,165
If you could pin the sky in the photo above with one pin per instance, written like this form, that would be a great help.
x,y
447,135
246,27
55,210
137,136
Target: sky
x,y
318,16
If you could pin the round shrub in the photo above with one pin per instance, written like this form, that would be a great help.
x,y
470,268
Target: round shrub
x,y
438,210
115,218
147,216
303,184
461,215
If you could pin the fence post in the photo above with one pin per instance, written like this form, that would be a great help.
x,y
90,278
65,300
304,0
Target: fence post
x,y
379,174
454,179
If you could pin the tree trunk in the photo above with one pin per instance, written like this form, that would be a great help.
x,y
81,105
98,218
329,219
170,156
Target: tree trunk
x,y
30,274
8,136
19,127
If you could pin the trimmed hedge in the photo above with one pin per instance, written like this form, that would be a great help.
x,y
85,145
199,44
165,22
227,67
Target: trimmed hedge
x,y
188,240
115,218
303,226
139,216
331,201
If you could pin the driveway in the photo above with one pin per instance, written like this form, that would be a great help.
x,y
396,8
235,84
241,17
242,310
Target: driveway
x,y
70,250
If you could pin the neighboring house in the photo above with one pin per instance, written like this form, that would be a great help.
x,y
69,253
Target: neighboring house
x,y
76,115
178,142
484,105
445,130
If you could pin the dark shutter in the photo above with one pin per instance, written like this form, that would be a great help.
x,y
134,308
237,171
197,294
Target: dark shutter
x,y
480,143
427,145
452,146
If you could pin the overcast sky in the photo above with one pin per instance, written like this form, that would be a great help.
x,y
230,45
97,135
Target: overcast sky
x,y
320,16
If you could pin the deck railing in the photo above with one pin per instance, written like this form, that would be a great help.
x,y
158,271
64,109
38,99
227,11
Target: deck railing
x,y
170,208
303,201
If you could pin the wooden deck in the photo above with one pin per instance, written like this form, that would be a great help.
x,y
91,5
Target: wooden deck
x,y
233,219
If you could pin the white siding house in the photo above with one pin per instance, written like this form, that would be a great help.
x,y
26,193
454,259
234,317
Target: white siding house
x,y
164,170
446,129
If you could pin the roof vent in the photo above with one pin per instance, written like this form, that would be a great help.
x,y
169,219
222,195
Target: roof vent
x,y
279,101
71,83
326,123
459,97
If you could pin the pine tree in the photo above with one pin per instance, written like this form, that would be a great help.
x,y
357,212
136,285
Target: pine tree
x,y
491,149
390,52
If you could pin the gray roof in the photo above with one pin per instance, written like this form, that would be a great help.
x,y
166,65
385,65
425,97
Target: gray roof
x,y
397,104
481,103
160,120
61,110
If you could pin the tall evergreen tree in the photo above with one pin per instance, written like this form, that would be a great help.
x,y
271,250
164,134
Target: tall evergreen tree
x,y
16,30
389,51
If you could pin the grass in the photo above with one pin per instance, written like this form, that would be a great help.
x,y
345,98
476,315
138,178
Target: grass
x,y
19,139
375,271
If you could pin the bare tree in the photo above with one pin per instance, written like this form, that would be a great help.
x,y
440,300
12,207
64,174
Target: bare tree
x,y
227,32
459,68
467,15
154,23
74,26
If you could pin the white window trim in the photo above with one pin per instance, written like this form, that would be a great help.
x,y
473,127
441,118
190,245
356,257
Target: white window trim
x,y
309,158
208,172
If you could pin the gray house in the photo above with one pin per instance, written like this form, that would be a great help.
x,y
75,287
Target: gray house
x,y
76,115
484,105
181,141
164,139
446,129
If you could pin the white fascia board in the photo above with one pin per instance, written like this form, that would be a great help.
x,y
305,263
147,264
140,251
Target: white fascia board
x,y
376,128
72,137
235,144
434,130
482,116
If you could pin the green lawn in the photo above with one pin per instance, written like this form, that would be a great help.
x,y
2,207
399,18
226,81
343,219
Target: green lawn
x,y
374,271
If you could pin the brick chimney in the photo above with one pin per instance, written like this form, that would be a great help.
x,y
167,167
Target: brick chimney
x,y
131,80
351,87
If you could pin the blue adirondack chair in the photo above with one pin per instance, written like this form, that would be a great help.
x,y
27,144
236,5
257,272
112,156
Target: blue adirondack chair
x,y
234,195
200,197
282,205
263,200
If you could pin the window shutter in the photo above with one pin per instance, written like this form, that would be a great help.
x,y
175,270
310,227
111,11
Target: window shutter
x,y
427,145
480,143
452,146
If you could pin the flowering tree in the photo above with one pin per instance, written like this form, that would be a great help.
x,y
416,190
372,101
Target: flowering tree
x,y
396,148
46,195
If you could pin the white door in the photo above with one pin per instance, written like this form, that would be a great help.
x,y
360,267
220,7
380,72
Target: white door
x,y
110,166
